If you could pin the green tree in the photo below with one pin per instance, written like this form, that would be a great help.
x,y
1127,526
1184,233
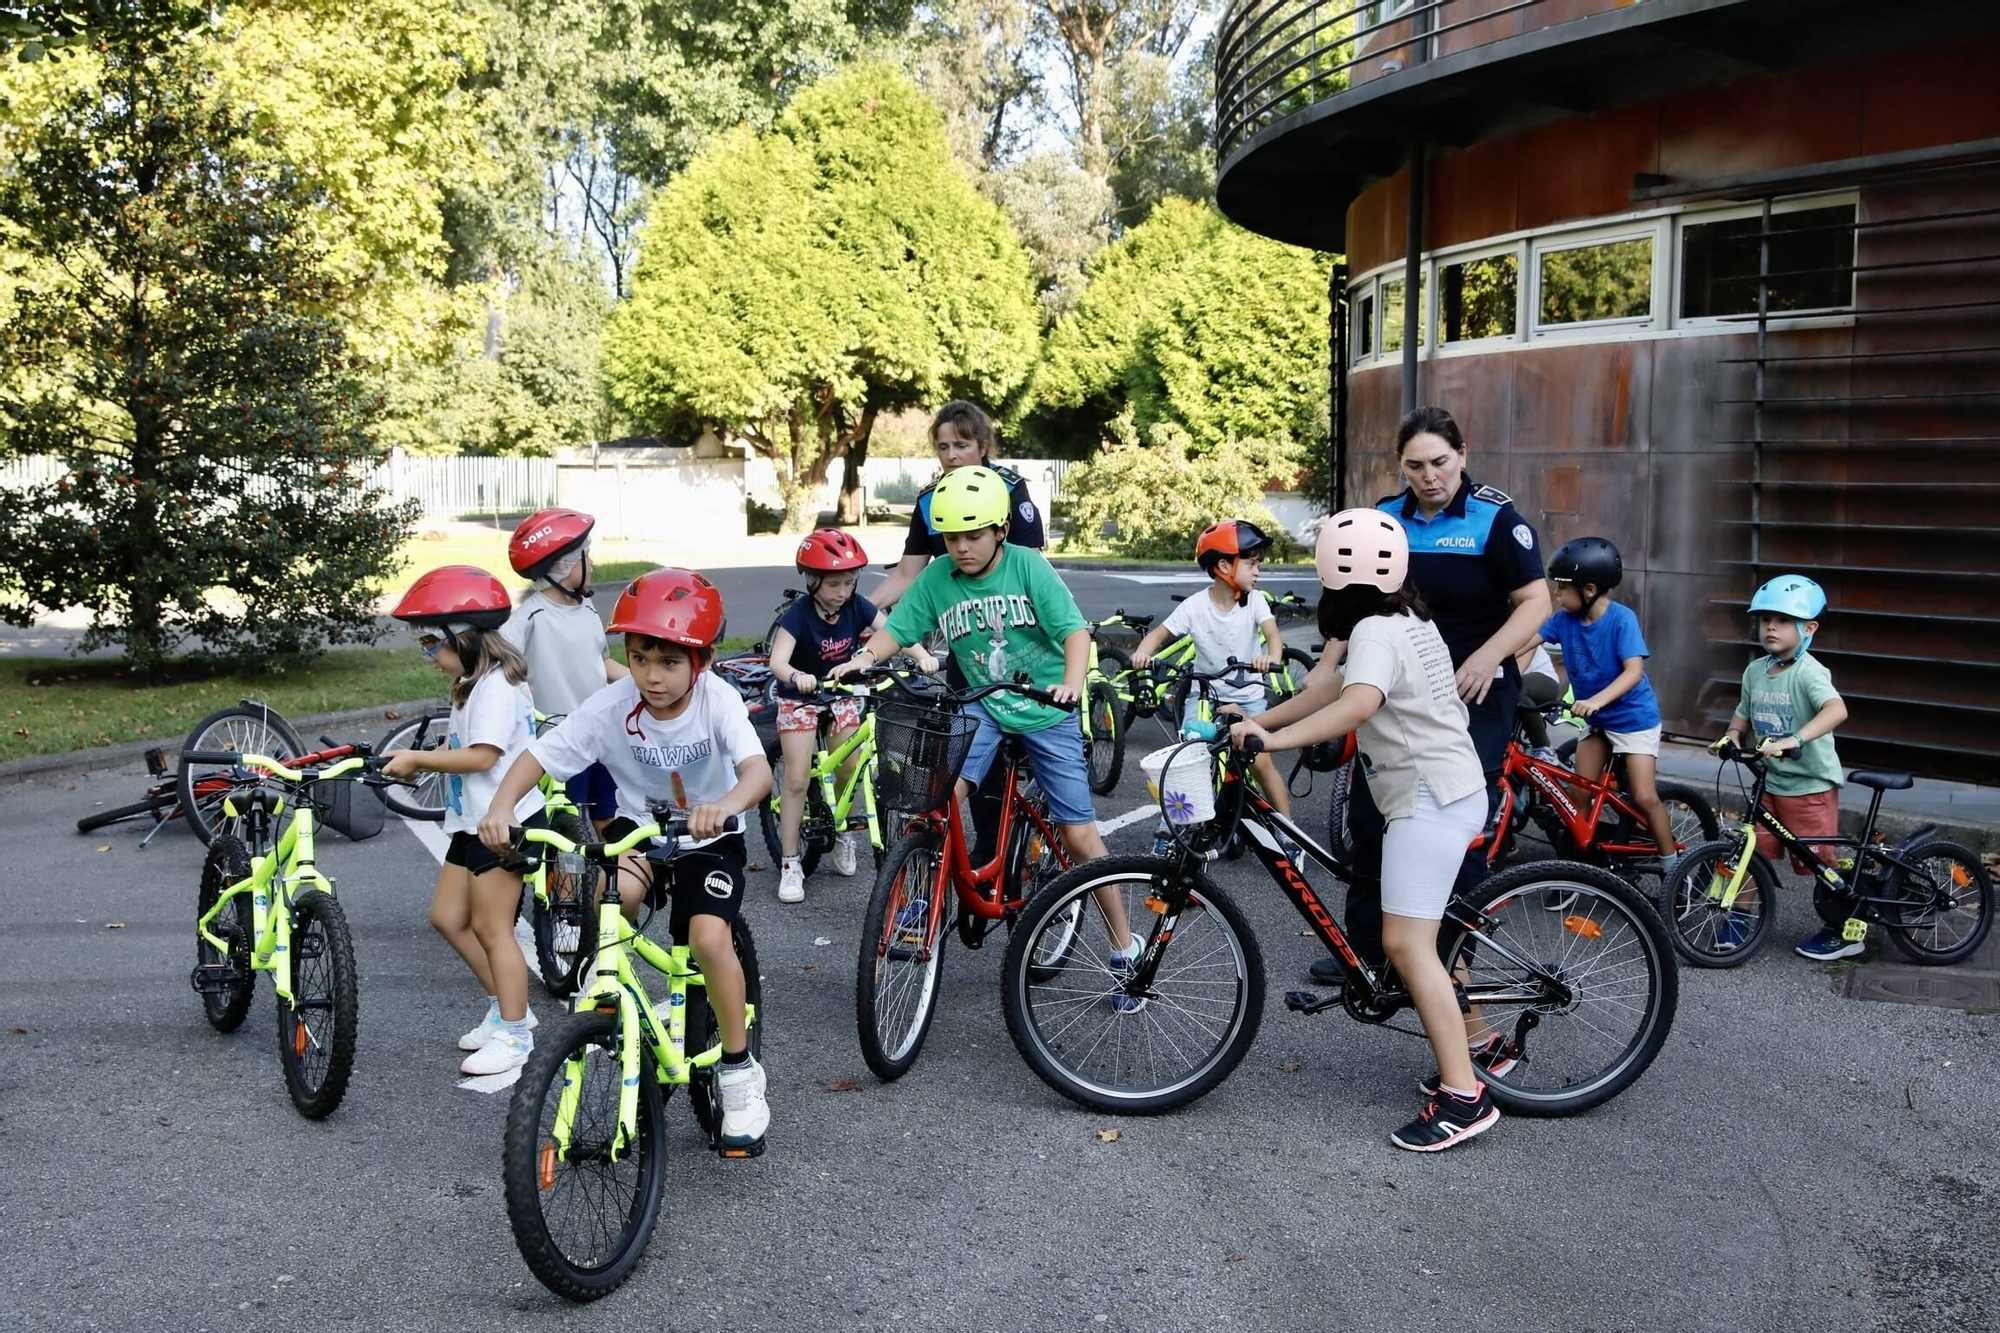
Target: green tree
x,y
189,372
796,283
1144,500
1193,321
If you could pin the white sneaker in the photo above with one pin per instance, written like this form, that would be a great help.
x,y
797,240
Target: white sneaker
x,y
505,1051
745,1115
488,1026
792,883
843,855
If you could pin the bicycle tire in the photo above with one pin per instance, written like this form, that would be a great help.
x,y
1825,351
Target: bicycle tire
x,y
1607,913
316,1091
119,814
572,904
1701,932
892,1030
1340,837
246,728
426,800
1105,750
1297,664
703,1031
1968,877
1691,817
227,863
1212,933
582,1048
1115,665
817,814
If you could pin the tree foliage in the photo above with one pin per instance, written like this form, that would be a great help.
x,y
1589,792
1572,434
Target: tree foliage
x,y
1148,500
187,366
1192,321
795,283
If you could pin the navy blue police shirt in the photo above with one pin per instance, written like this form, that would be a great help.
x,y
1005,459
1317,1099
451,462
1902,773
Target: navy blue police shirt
x,y
1467,560
1024,520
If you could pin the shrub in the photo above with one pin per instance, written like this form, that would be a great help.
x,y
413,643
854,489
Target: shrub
x,y
1150,501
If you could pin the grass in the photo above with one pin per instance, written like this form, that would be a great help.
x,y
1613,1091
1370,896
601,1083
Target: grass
x,y
58,704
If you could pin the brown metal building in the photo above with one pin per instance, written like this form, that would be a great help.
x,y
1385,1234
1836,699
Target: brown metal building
x,y
1716,279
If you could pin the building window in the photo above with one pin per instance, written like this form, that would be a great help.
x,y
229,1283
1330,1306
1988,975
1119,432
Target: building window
x,y
1364,325
1381,11
1811,263
1476,298
1595,283
1392,315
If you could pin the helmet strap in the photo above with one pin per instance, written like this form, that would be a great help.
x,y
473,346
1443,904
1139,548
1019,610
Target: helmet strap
x,y
582,591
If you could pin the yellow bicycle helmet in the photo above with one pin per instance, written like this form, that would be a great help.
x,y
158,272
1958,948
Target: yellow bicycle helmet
x,y
967,499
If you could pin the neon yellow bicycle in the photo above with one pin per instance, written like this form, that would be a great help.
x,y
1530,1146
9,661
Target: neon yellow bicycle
x,y
831,799
584,1159
268,907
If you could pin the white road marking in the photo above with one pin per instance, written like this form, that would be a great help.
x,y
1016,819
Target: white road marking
x,y
1196,577
492,1083
1107,827
435,840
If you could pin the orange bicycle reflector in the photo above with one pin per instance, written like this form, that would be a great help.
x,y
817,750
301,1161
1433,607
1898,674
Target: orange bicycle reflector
x,y
299,1037
1584,926
1156,904
1960,877
547,1170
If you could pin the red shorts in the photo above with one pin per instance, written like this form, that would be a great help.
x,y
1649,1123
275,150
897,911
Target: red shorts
x,y
1816,814
797,715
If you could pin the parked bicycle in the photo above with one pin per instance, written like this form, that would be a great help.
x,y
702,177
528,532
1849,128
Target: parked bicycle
x,y
1932,896
1582,999
840,785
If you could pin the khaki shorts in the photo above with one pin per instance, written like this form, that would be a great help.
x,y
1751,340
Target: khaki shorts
x,y
1646,742
1816,814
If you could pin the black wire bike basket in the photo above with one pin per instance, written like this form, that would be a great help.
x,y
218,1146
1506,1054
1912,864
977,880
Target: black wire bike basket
x,y
351,808
918,752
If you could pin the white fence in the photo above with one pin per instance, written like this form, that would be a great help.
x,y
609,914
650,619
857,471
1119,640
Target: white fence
x,y
448,487
897,480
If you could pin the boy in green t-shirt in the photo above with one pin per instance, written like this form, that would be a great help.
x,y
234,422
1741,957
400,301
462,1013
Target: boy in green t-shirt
x,y
1004,612
1790,703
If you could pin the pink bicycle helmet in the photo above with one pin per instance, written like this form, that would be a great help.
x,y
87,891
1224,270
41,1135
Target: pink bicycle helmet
x,y
1362,546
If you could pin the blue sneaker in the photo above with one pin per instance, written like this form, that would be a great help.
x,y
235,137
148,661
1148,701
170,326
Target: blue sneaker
x,y
1829,946
1123,965
1163,844
1731,934
910,925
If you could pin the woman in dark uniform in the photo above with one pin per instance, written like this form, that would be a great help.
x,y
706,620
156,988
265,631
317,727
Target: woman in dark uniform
x,y
962,434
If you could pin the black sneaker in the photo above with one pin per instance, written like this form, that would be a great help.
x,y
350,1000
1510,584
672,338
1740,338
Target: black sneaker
x,y
1489,1056
1447,1120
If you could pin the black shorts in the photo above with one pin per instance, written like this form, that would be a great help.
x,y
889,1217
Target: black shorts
x,y
467,850
707,881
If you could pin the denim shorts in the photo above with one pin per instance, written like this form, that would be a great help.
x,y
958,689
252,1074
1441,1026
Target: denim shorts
x,y
1191,710
1056,754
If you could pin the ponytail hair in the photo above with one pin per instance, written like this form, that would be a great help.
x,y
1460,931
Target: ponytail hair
x,y
1340,612
480,651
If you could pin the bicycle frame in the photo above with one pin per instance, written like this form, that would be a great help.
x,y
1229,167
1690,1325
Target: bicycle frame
x,y
838,792
982,891
1553,781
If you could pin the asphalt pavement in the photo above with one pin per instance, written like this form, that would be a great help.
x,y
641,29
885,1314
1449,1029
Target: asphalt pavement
x,y
1793,1160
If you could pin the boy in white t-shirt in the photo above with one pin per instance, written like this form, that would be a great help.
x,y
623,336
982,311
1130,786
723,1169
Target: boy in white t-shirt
x,y
458,611
1230,620
672,734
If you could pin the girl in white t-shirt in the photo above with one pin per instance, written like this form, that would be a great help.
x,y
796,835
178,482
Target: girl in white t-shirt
x,y
1400,696
457,612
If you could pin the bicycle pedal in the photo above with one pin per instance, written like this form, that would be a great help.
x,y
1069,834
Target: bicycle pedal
x,y
734,1152
212,979
1310,1002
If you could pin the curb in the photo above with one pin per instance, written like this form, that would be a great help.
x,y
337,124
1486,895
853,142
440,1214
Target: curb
x,y
132,752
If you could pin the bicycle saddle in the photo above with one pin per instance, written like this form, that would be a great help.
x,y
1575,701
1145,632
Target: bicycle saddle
x,y
1884,779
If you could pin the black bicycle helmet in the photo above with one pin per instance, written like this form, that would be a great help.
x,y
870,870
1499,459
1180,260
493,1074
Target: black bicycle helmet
x,y
1587,560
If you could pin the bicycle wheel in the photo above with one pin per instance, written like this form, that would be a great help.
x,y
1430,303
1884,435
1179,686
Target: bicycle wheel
x,y
1942,911
119,814
703,1031
1339,837
1690,900
1198,1018
1584,1037
1693,821
316,1031
1115,665
581,1218
246,729
815,829
1105,750
901,957
426,800
227,863
566,924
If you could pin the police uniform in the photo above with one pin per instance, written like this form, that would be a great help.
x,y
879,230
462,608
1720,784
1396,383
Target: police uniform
x,y
1465,562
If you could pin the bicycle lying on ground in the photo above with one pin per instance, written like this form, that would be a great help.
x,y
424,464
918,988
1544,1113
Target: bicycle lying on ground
x,y
1582,999
265,905
194,792
584,1157
1932,896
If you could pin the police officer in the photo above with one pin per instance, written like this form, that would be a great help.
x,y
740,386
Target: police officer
x,y
1478,564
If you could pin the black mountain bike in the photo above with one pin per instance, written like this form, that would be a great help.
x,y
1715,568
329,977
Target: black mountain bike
x,y
1582,997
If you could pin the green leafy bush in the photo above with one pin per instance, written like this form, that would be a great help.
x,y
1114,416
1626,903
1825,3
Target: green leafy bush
x,y
1150,501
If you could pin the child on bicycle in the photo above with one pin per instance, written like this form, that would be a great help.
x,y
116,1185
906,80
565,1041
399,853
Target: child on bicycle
x,y
1229,621
1605,654
1789,701
1004,611
816,633
458,611
558,632
1401,696
672,732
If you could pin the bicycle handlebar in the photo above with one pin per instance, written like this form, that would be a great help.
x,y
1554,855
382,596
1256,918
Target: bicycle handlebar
x,y
675,828
917,684
338,761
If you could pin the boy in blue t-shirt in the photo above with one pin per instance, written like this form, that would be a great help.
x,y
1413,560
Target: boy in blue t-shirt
x,y
1605,655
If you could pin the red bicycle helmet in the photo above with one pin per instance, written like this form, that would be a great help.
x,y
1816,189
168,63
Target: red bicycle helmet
x,y
453,597
1231,537
829,551
546,536
674,605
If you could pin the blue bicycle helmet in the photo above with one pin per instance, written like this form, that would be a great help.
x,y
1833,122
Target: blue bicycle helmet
x,y
1792,595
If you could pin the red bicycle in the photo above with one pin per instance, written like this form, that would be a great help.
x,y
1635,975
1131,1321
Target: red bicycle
x,y
919,748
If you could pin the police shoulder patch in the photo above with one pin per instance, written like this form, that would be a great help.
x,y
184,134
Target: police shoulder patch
x,y
1007,474
1493,495
1026,509
1524,535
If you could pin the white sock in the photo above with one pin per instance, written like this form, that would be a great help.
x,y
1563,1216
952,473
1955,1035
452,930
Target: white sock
x,y
1461,1093
518,1029
792,863
492,1018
